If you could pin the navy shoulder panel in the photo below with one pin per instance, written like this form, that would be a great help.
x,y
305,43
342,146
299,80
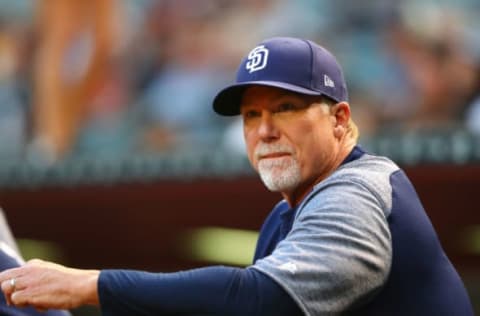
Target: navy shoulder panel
x,y
422,280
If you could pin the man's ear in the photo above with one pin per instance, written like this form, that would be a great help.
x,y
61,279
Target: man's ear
x,y
341,111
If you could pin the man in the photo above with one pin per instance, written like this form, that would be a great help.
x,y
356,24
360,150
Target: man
x,y
350,235
10,258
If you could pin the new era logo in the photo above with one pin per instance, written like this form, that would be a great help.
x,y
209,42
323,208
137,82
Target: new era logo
x,y
328,82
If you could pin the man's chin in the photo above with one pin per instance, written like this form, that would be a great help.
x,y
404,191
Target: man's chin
x,y
281,177
278,185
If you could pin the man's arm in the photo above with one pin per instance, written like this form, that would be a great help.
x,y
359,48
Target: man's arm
x,y
206,291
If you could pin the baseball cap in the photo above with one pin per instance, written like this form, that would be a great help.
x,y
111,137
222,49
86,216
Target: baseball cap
x,y
293,64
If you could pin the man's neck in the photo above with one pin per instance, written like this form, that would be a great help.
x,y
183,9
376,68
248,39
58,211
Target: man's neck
x,y
296,196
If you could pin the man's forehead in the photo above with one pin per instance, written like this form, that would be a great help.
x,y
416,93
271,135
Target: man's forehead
x,y
259,93
256,93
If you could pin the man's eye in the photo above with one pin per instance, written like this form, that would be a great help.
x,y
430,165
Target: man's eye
x,y
285,107
251,114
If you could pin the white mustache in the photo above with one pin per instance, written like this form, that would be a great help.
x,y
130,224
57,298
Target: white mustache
x,y
264,149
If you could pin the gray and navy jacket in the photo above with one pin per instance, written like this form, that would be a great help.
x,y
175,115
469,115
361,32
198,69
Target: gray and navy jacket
x,y
360,243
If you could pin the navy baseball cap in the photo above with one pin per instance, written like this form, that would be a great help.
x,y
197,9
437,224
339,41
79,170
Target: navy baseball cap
x,y
289,63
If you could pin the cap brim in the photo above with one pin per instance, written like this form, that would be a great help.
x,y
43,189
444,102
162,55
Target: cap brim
x,y
227,102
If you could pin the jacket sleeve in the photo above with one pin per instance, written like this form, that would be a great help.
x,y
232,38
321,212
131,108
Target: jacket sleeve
x,y
215,290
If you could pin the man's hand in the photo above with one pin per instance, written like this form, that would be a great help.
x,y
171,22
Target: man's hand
x,y
46,285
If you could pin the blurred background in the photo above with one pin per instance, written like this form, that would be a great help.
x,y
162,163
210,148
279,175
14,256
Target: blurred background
x,y
111,156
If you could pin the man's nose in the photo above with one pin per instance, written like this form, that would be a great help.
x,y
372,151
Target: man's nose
x,y
267,130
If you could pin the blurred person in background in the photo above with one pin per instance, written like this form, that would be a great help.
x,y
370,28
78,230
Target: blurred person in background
x,y
350,235
440,70
13,108
194,65
473,111
75,41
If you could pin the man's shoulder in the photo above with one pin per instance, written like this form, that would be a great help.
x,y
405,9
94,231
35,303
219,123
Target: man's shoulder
x,y
369,170
368,174
368,163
